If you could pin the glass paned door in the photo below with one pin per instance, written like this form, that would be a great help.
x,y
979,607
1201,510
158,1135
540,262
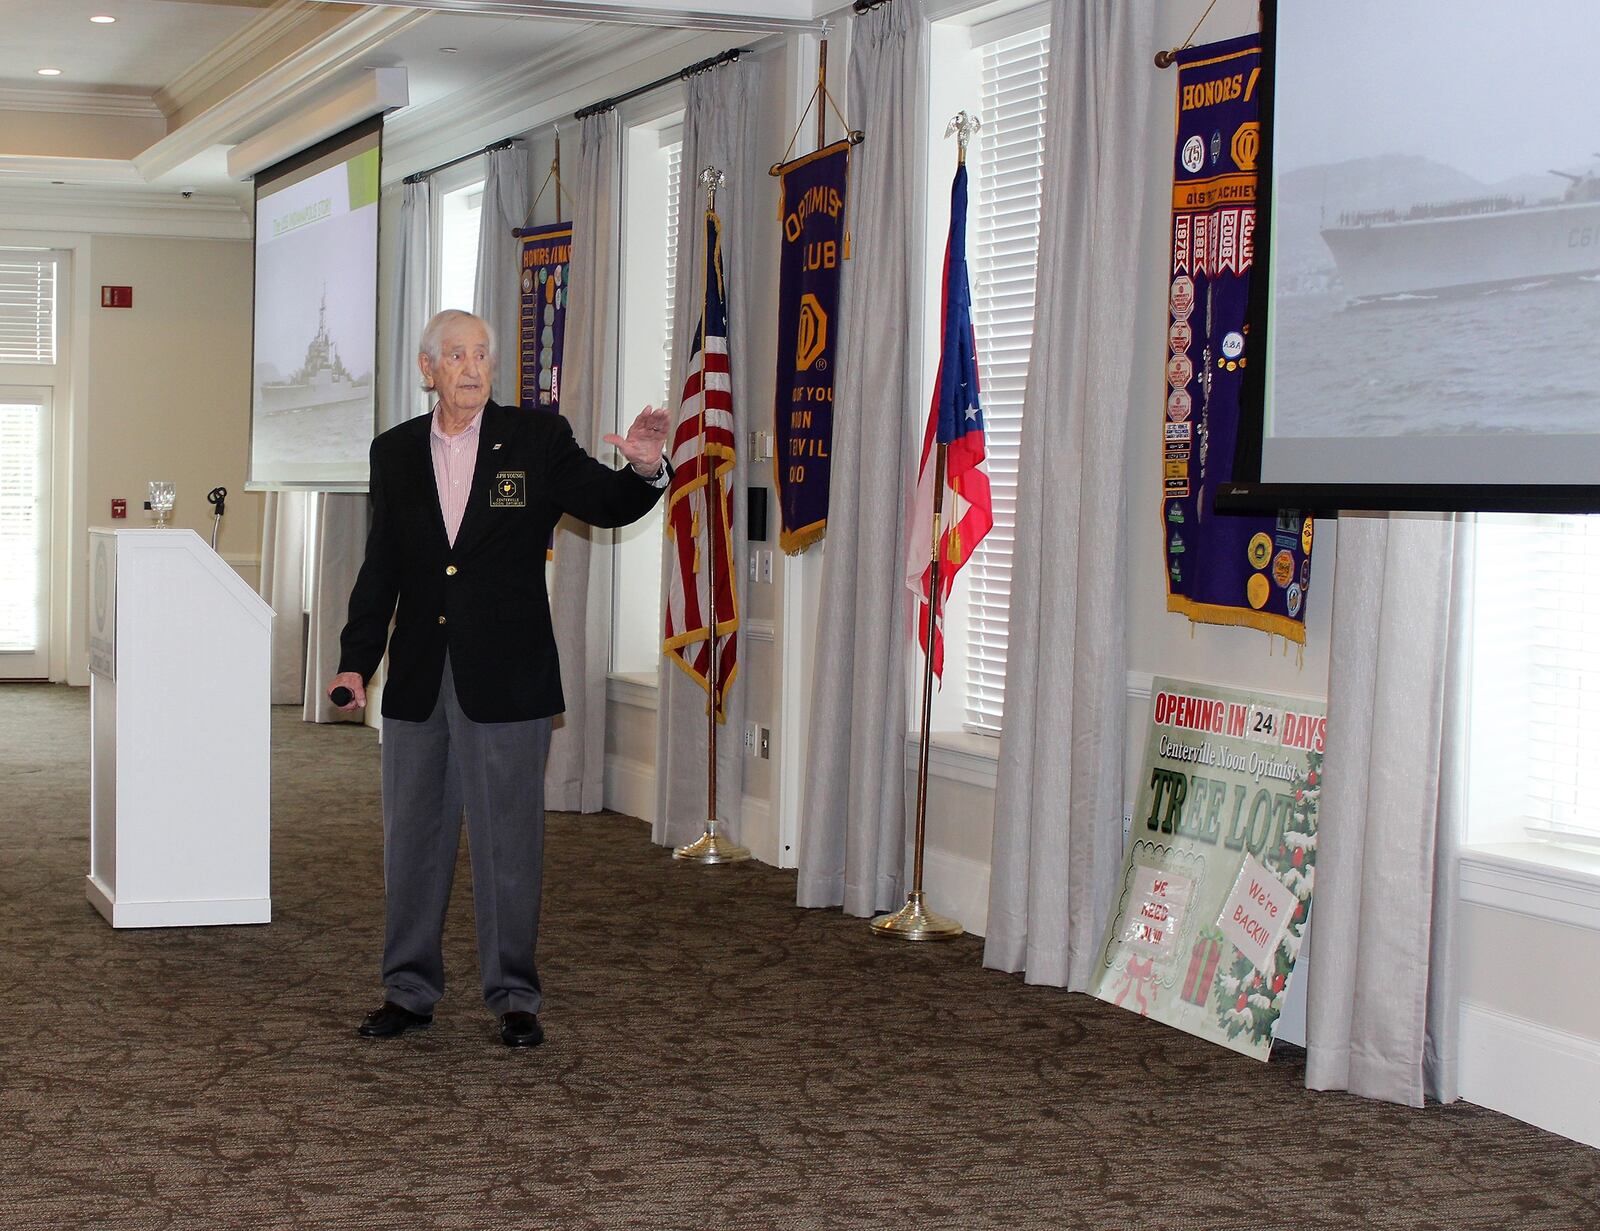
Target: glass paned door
x,y
24,534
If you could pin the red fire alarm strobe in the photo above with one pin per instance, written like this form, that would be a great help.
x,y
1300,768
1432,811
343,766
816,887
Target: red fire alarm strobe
x,y
119,508
116,297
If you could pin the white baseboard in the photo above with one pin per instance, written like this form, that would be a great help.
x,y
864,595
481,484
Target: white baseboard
x,y
631,787
958,887
758,829
188,913
1547,1077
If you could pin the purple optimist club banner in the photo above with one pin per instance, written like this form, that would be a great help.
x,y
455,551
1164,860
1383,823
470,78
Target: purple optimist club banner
x,y
544,267
1247,570
815,245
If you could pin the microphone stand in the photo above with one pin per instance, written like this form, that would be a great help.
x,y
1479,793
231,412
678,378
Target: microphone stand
x,y
218,497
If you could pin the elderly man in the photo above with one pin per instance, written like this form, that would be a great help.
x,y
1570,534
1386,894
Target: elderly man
x,y
463,503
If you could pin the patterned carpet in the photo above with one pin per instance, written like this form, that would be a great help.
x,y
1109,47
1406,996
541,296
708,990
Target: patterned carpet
x,y
716,1058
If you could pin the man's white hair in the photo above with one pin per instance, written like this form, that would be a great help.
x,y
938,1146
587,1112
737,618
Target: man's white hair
x,y
433,336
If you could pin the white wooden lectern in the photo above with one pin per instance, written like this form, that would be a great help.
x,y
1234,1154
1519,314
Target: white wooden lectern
x,y
179,719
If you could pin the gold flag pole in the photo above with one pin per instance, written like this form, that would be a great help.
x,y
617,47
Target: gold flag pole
x,y
710,846
822,89
914,921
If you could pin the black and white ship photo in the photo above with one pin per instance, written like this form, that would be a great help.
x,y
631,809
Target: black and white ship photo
x,y
1436,220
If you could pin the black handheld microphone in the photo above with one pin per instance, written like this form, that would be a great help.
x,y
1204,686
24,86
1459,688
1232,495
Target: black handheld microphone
x,y
341,696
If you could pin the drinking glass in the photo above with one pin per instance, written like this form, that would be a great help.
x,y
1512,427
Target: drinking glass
x,y
162,498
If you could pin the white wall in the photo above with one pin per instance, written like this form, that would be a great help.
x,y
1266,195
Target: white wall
x,y
156,391
169,385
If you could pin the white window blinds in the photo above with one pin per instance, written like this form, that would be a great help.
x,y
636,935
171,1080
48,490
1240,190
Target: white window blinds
x,y
1535,678
1006,170
27,306
674,153
21,485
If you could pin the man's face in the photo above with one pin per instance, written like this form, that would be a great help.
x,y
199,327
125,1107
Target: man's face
x,y
461,377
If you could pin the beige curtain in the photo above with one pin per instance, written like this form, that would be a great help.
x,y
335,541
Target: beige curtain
x,y
506,199
1382,1005
283,569
341,537
1058,796
852,844
408,310
580,588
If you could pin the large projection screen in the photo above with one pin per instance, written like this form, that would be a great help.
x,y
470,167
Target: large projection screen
x,y
313,405
1429,307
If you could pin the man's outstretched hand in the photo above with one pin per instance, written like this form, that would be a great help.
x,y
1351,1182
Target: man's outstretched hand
x,y
646,439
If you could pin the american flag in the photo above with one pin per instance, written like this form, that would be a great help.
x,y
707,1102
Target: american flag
x,y
955,419
702,464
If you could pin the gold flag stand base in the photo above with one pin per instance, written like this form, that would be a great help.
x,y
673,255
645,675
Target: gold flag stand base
x,y
711,847
914,921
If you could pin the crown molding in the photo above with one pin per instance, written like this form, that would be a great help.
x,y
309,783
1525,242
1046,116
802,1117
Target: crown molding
x,y
602,60
230,56
42,168
268,97
80,102
743,15
120,211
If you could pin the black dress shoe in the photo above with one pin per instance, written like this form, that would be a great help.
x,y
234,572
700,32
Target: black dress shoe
x,y
519,1029
389,1020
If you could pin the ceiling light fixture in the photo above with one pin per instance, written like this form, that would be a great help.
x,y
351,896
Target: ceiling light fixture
x,y
102,20
448,51
48,72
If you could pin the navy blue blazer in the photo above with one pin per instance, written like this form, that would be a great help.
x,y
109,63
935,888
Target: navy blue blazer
x,y
484,598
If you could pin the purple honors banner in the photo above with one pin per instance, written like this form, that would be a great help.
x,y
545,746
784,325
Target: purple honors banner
x,y
1221,569
812,196
544,261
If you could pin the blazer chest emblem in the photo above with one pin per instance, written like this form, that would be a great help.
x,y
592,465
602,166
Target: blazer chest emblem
x,y
510,490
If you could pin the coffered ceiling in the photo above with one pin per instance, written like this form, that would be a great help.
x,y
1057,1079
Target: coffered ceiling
x,y
151,102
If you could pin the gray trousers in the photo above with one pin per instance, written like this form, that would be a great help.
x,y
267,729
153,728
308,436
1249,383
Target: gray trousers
x,y
431,770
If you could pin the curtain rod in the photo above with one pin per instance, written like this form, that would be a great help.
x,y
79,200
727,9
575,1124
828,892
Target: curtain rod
x,y
416,177
608,104
863,7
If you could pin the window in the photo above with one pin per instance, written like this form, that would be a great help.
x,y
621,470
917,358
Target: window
x,y
653,151
459,197
1006,173
27,306
997,70
33,284
1534,746
24,523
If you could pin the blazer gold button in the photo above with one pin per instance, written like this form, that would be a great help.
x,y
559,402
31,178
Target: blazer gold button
x,y
449,570
441,619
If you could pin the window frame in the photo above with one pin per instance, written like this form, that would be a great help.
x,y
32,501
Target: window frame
x,y
658,117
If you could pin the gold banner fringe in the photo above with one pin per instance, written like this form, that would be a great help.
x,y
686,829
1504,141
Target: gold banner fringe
x,y
793,542
1265,621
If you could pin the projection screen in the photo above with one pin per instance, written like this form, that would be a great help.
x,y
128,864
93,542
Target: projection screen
x,y
1429,307
313,407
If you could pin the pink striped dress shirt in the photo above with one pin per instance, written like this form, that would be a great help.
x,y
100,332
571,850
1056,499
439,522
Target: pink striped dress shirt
x,y
455,458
